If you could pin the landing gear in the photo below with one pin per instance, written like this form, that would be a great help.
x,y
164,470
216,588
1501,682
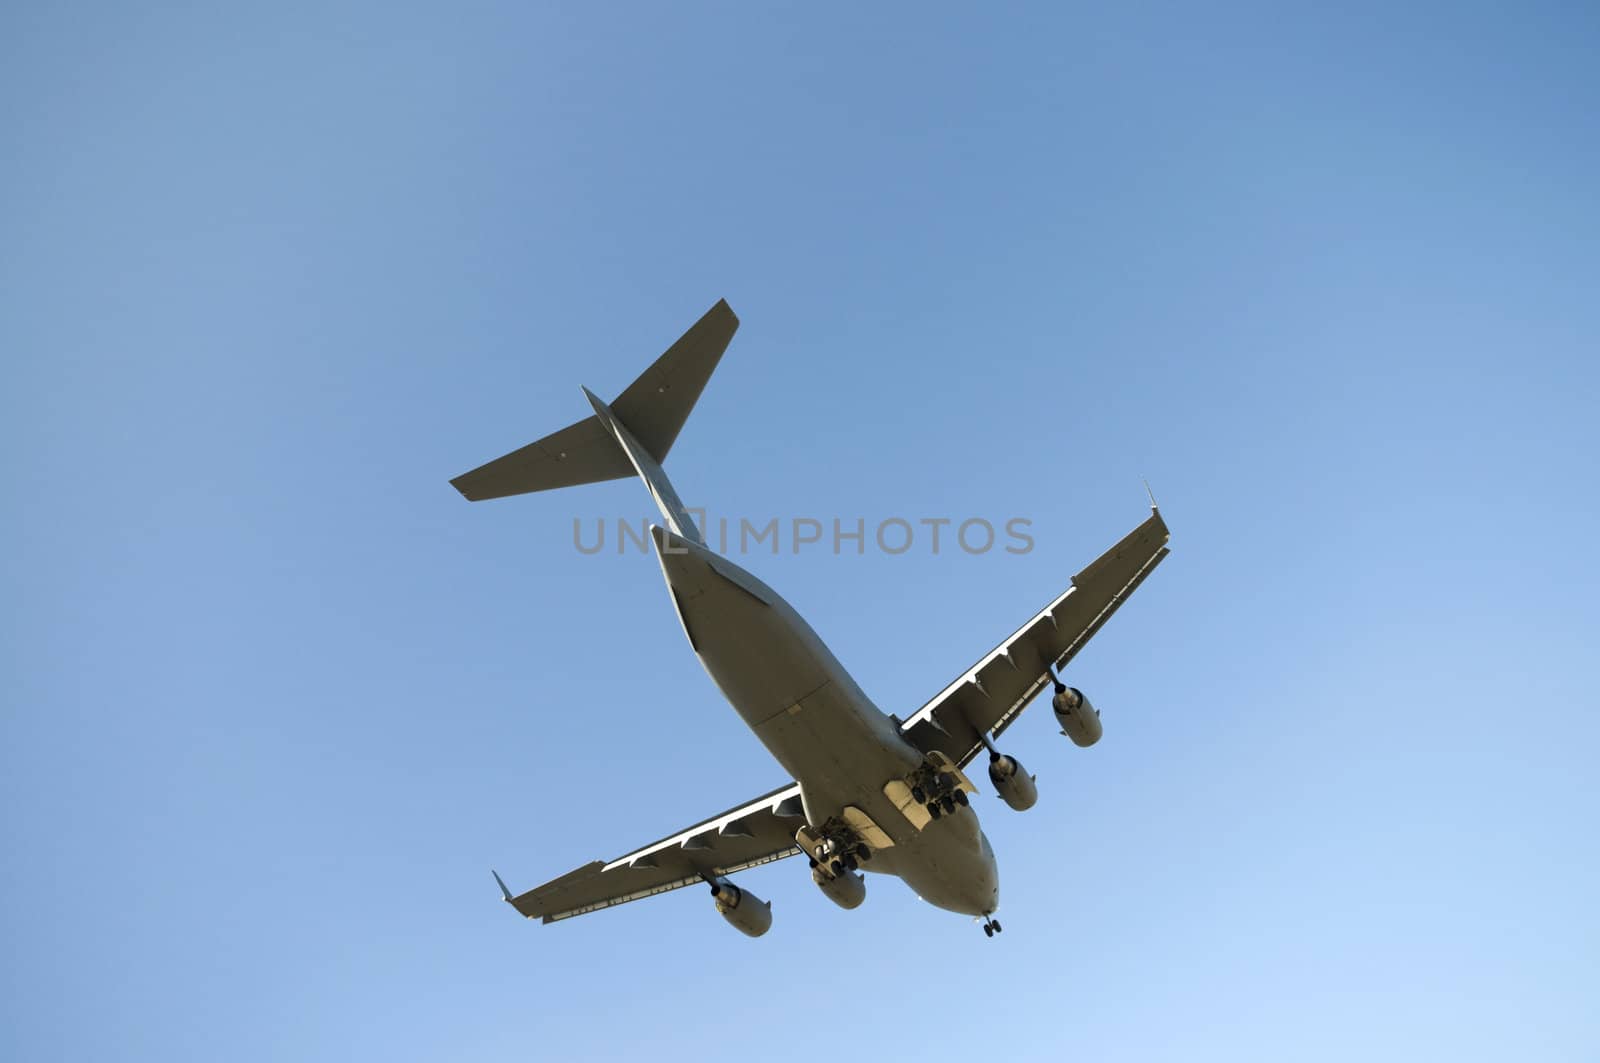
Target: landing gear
x,y
939,791
933,789
990,927
836,852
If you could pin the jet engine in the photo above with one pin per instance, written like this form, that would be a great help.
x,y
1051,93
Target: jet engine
x,y
847,889
745,911
1079,720
1012,782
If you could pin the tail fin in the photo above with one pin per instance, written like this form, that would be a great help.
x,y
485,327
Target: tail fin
x,y
633,434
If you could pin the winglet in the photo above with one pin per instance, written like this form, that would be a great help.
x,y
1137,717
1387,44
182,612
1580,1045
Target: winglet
x,y
501,883
1153,507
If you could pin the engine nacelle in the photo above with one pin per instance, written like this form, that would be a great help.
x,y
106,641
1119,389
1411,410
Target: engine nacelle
x,y
1012,782
1079,720
847,890
745,911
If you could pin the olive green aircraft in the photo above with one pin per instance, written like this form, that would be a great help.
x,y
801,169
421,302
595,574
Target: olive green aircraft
x,y
868,791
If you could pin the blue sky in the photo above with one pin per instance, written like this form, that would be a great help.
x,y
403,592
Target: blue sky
x,y
276,699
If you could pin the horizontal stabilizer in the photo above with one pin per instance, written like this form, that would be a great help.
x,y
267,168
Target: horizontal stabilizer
x,y
655,406
581,453
653,409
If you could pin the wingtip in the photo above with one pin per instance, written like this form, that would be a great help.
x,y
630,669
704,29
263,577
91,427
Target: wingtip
x,y
501,883
1153,507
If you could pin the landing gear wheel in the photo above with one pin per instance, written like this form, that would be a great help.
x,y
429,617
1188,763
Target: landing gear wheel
x,y
864,855
919,795
961,798
849,862
988,930
995,925
837,868
948,802
935,811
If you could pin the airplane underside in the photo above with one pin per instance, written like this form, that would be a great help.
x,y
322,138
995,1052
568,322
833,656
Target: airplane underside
x,y
815,720
871,792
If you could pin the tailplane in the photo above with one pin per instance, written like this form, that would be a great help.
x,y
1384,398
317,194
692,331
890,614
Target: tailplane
x,y
631,435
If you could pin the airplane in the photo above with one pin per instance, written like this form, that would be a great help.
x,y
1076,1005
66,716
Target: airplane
x,y
869,791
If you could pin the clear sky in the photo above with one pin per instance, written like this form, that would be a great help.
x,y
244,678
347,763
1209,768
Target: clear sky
x,y
275,699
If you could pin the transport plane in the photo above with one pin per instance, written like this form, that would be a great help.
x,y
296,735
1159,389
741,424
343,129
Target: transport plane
x,y
868,791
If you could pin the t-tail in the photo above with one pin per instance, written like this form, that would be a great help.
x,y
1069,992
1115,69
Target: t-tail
x,y
630,435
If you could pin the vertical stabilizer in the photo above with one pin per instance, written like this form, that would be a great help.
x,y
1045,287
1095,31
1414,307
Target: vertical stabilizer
x,y
650,471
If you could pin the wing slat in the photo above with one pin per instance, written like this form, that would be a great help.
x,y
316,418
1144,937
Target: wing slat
x,y
994,691
754,833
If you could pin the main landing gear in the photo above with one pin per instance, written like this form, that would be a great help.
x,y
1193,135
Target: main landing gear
x,y
990,927
838,851
847,860
940,793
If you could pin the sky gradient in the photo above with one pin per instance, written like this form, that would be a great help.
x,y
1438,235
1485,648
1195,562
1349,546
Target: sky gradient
x,y
276,698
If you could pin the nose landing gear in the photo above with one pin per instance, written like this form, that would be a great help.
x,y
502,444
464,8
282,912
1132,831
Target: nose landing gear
x,y
990,927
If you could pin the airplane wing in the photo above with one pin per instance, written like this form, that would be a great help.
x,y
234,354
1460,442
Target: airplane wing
x,y
993,692
757,832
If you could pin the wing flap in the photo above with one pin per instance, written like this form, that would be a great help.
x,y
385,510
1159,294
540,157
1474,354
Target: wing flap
x,y
748,835
995,690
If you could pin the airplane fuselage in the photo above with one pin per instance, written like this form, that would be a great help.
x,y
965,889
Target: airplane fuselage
x,y
818,723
